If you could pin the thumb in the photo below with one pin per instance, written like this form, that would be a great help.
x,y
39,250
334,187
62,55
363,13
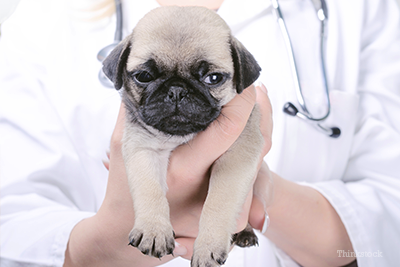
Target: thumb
x,y
198,155
262,199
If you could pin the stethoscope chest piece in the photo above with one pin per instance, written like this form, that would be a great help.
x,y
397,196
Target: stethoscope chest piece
x,y
291,110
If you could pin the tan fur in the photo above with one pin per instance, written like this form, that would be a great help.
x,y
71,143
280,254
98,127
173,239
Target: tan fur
x,y
231,180
176,41
153,40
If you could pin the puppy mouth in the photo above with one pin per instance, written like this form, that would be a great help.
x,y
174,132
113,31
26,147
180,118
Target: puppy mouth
x,y
189,113
180,122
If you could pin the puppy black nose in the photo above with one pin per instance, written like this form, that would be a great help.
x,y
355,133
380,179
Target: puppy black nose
x,y
176,93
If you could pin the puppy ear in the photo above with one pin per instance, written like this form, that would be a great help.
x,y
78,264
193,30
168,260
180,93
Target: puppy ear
x,y
115,62
246,68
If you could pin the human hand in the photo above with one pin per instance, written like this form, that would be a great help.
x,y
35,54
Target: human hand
x,y
187,181
102,240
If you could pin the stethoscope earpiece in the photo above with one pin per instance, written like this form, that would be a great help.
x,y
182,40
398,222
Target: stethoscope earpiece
x,y
290,109
335,132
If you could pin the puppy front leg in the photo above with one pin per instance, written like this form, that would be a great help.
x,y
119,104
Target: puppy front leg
x,y
231,179
152,232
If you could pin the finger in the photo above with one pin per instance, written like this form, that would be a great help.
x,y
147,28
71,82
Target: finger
x,y
117,193
262,197
188,244
266,124
197,156
115,154
106,164
257,213
116,138
244,214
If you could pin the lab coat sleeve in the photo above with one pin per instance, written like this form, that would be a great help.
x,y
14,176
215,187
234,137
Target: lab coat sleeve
x,y
41,198
367,197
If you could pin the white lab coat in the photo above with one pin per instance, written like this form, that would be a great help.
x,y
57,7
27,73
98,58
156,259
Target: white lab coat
x,y
56,121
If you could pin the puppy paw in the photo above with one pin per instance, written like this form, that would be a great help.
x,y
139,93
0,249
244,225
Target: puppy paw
x,y
208,258
245,238
209,255
153,240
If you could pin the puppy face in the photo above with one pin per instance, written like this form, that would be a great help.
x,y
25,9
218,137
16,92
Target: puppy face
x,y
179,67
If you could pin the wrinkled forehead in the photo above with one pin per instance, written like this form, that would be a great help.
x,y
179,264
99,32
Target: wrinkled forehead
x,y
176,37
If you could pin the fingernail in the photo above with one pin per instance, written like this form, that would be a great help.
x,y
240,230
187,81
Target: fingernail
x,y
108,153
179,250
106,163
266,223
263,88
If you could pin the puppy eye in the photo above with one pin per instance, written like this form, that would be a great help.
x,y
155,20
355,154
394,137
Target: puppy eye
x,y
143,77
213,78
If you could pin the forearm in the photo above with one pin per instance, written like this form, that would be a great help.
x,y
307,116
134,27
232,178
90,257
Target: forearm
x,y
82,249
306,226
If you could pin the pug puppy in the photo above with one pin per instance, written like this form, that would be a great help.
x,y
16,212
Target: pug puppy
x,y
175,72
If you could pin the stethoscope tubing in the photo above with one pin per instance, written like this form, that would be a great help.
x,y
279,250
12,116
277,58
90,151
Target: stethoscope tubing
x,y
105,51
292,62
118,27
289,48
289,108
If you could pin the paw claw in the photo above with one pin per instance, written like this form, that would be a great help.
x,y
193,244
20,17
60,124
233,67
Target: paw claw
x,y
206,258
134,242
156,243
219,259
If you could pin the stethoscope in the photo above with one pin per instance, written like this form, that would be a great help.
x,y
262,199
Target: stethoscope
x,y
289,108
105,51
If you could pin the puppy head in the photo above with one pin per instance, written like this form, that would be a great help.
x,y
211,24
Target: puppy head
x,y
179,67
